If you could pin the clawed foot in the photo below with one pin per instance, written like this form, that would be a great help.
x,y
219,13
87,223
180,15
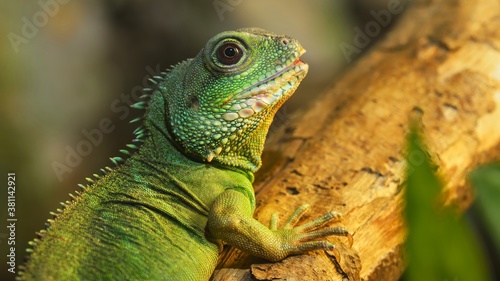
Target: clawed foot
x,y
297,240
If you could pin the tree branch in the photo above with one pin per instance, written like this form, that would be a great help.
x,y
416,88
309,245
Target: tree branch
x,y
346,153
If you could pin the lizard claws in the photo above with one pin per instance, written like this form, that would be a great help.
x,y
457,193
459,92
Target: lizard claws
x,y
301,239
350,240
336,254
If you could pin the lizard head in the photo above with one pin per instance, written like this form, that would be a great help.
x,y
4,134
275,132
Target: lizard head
x,y
221,108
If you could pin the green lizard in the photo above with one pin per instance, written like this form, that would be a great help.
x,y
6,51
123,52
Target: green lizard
x,y
164,213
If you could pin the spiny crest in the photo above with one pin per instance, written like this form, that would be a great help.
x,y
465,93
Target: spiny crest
x,y
140,134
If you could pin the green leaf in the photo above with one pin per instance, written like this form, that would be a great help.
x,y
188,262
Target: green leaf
x,y
440,246
486,180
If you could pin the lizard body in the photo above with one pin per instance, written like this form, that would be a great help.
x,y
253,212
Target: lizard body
x,y
163,213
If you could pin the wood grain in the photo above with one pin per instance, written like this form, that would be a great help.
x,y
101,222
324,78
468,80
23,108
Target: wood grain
x,y
346,153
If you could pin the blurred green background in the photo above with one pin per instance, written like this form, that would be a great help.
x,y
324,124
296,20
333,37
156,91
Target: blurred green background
x,y
61,76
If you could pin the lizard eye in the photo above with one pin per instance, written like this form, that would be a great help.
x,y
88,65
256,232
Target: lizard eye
x,y
229,53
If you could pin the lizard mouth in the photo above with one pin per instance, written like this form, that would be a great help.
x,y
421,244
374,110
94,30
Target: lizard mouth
x,y
267,93
291,70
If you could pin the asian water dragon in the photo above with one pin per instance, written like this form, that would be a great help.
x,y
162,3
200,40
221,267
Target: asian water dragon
x,y
187,187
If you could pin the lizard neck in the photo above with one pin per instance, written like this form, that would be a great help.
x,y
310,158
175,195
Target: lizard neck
x,y
202,135
160,145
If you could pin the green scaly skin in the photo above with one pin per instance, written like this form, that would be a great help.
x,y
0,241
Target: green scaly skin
x,y
163,214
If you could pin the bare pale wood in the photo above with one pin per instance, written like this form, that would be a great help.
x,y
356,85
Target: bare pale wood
x,y
346,153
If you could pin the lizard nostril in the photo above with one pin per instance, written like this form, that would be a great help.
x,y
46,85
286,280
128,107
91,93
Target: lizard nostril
x,y
285,41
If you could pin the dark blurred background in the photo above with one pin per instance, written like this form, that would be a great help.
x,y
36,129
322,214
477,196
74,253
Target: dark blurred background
x,y
64,64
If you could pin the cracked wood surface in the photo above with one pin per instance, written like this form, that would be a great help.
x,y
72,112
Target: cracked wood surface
x,y
345,153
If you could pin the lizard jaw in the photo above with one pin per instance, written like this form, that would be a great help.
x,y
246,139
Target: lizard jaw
x,y
268,92
248,92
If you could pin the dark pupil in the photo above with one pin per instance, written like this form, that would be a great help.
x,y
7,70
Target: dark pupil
x,y
230,52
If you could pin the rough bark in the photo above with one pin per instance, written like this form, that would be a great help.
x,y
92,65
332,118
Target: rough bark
x,y
346,153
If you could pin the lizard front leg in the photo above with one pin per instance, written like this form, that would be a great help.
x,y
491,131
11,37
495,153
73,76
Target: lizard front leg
x,y
230,220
